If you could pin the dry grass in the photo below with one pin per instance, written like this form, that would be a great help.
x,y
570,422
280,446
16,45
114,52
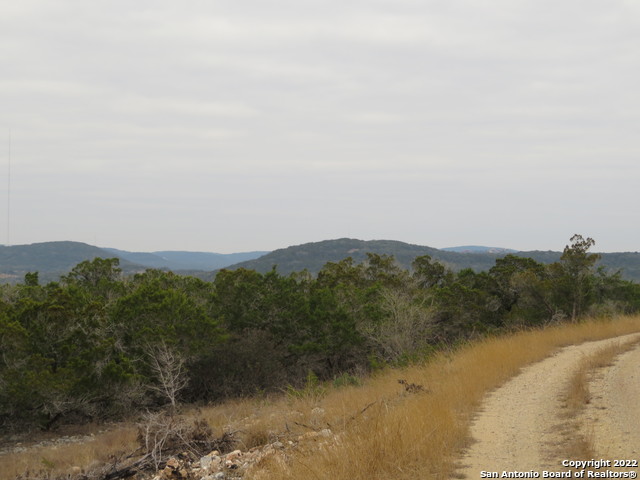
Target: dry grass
x,y
578,394
60,459
382,430
422,438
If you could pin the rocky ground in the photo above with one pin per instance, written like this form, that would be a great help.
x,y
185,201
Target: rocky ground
x,y
236,464
22,443
183,454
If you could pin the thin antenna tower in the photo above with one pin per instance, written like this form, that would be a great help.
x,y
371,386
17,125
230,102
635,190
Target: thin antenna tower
x,y
9,195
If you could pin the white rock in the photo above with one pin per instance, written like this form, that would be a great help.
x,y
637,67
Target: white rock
x,y
205,462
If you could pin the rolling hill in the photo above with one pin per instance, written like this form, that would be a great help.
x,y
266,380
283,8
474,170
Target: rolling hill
x,y
312,256
478,249
52,259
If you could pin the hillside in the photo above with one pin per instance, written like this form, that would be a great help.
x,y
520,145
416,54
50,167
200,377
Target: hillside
x,y
312,256
52,259
478,249
248,332
280,439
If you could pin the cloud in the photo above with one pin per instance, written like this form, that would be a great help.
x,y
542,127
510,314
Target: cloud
x,y
362,115
182,106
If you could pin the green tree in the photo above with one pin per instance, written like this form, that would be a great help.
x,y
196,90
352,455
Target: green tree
x,y
522,286
382,270
162,325
574,275
238,299
66,362
31,279
430,273
98,277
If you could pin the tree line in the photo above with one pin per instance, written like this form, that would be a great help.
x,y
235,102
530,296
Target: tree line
x,y
97,345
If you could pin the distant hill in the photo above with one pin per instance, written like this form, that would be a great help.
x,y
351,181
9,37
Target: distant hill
x,y
50,259
478,249
180,260
312,256
53,259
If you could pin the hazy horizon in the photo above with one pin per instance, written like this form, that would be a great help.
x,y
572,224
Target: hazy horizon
x,y
497,247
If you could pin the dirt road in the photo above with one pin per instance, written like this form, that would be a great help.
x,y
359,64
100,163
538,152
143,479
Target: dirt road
x,y
614,412
521,428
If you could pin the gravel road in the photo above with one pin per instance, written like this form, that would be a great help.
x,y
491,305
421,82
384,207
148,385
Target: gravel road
x,y
520,426
614,411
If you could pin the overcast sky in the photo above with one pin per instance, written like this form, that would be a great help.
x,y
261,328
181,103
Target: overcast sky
x,y
241,125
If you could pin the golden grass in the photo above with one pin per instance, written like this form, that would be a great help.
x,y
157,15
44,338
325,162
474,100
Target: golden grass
x,y
578,394
61,459
419,436
381,430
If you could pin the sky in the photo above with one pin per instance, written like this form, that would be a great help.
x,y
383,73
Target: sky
x,y
240,125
